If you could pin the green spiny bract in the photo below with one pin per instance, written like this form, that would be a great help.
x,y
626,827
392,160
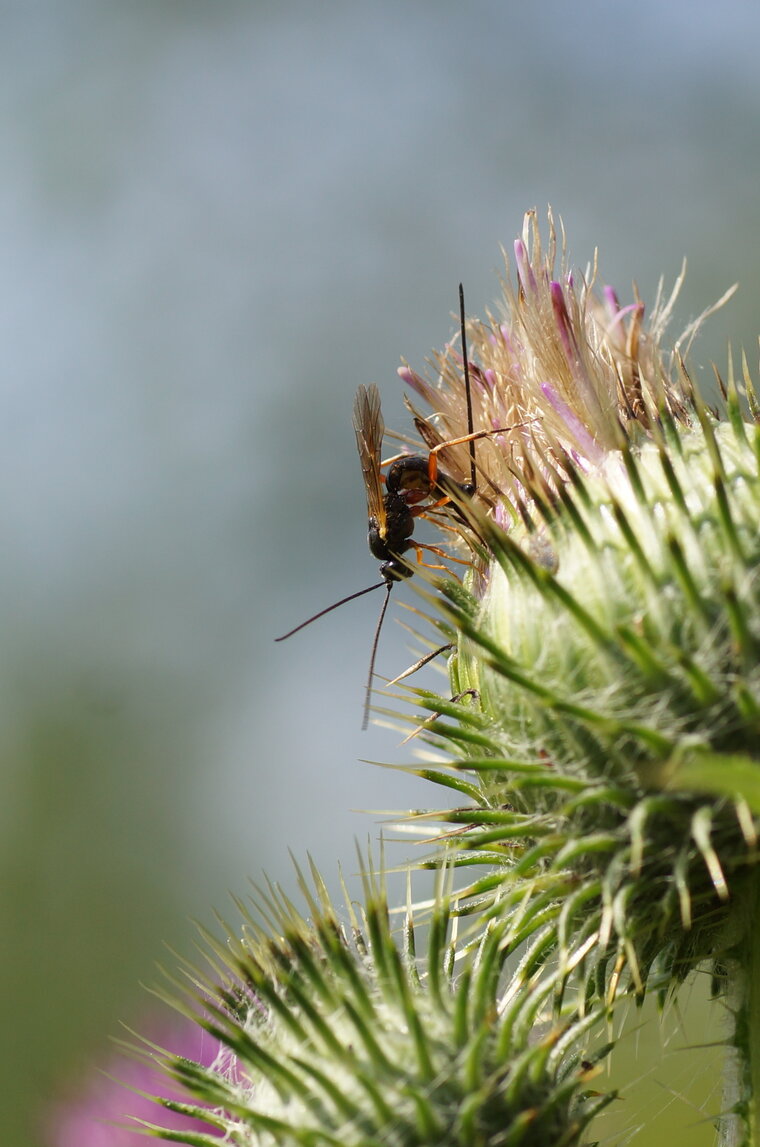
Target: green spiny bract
x,y
614,646
602,683
602,738
341,1036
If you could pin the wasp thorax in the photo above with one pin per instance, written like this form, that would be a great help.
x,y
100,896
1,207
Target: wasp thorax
x,y
410,478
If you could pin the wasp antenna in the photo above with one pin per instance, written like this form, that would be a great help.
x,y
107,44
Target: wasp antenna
x,y
371,674
330,608
468,394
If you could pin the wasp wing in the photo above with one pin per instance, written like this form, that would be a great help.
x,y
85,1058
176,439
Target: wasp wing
x,y
369,428
452,460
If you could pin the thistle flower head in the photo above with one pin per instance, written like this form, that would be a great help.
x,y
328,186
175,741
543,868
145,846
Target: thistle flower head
x,y
563,371
612,627
602,735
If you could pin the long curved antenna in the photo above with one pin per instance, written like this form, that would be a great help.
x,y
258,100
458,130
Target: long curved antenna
x,y
470,431
330,608
371,674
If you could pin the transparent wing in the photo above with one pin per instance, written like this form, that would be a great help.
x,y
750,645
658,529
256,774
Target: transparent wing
x,y
453,460
369,428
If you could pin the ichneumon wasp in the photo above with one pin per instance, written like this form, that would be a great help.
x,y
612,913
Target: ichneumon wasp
x,y
395,500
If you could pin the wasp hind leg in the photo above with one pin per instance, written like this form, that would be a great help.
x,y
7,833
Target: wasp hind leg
x,y
420,546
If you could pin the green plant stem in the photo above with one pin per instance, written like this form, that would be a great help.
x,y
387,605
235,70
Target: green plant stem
x,y
753,1014
740,1126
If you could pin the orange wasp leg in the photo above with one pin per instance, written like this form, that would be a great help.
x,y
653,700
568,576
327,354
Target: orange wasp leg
x,y
419,546
433,453
430,565
476,434
421,511
433,456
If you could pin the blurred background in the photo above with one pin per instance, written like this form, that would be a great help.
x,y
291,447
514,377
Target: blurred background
x,y
216,220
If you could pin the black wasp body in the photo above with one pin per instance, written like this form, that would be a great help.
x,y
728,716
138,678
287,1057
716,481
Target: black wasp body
x,y
395,501
389,508
389,542
410,480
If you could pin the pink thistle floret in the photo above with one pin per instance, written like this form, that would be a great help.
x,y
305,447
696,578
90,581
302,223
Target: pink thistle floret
x,y
106,1107
563,372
